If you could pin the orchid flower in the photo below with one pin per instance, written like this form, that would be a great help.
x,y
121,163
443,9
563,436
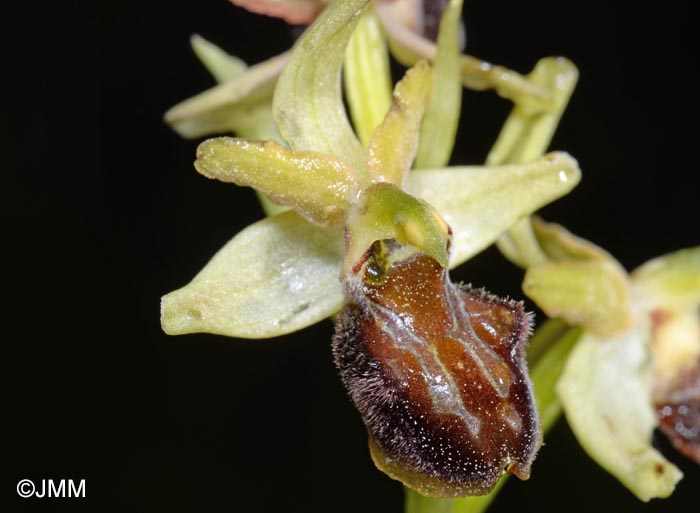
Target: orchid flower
x,y
365,215
291,269
636,365
281,274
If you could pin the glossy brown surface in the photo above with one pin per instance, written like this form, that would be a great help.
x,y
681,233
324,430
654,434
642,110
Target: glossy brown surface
x,y
437,372
679,413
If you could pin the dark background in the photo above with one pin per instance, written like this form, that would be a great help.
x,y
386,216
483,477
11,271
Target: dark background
x,y
105,214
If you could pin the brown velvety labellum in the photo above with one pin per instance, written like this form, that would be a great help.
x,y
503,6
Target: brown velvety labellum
x,y
437,372
679,413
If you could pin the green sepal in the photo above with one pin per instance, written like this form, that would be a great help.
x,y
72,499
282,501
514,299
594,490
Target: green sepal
x,y
606,394
277,276
307,104
240,105
319,187
481,202
671,281
593,294
222,66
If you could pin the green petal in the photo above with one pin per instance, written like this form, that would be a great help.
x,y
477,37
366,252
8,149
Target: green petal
x,y
277,276
408,47
367,76
527,132
439,128
308,104
558,243
671,280
394,143
221,65
238,105
585,293
480,75
480,203
606,394
318,186
254,121
578,281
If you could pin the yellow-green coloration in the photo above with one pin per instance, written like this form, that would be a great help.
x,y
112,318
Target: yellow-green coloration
x,y
527,132
307,104
669,287
578,281
408,47
497,195
605,390
277,276
222,66
547,368
526,135
611,382
320,187
386,212
672,280
394,143
479,202
240,104
557,243
282,273
593,294
438,132
367,76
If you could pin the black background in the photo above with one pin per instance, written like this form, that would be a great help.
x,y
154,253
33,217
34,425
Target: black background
x,y
105,213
